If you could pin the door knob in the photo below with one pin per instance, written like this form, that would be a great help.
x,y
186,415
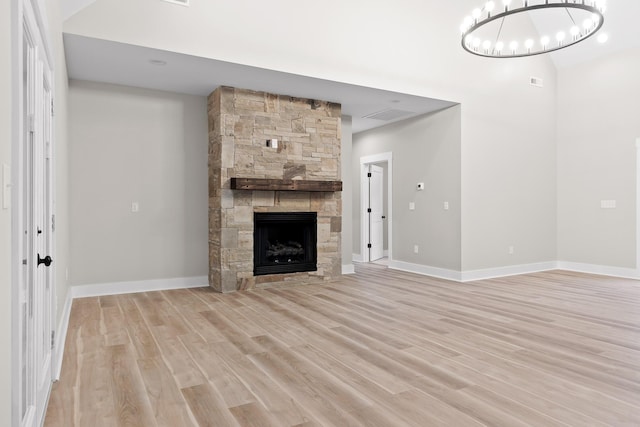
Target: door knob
x,y
46,260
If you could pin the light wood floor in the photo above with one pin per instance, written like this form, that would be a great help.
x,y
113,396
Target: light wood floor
x,y
379,348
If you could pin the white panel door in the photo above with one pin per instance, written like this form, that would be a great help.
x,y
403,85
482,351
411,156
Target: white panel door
x,y
36,277
376,213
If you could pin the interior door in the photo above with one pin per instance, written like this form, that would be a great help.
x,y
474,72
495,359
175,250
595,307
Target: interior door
x,y
376,213
43,228
36,278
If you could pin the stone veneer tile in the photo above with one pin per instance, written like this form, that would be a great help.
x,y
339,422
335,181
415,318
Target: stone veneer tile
x,y
240,122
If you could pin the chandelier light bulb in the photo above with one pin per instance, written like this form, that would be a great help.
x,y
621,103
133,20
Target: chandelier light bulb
x,y
489,6
544,41
477,13
499,46
476,42
506,3
486,45
560,37
528,44
575,31
587,24
513,46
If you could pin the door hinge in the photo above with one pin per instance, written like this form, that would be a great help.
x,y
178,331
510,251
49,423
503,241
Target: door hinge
x,y
53,338
52,108
53,222
31,123
369,210
369,245
369,175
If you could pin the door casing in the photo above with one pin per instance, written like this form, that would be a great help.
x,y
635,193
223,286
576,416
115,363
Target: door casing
x,y
364,202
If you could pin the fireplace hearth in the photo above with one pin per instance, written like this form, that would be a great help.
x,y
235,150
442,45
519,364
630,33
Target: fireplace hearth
x,y
284,242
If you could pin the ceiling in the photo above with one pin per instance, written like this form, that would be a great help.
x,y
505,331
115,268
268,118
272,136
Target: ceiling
x,y
118,63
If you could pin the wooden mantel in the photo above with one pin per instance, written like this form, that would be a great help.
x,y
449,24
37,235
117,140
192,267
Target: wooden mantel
x,y
263,184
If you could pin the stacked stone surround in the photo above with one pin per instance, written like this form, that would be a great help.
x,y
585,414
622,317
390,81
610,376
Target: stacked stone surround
x,y
309,133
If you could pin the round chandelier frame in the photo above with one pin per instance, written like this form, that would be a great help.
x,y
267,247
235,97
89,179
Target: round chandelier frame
x,y
498,49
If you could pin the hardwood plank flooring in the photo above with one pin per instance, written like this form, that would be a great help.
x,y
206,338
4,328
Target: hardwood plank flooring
x,y
378,348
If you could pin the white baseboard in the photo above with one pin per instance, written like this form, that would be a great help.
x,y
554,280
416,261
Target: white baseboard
x,y
425,270
61,336
466,276
357,258
117,288
348,269
626,273
511,270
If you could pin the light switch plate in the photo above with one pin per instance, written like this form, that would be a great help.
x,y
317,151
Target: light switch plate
x,y
412,206
608,204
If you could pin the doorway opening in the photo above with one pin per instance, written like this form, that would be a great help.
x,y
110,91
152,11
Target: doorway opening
x,y
376,178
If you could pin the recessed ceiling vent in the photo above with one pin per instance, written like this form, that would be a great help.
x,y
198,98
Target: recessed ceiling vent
x,y
180,2
388,115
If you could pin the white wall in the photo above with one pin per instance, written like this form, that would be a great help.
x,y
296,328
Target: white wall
x,y
5,215
598,123
425,149
508,127
146,146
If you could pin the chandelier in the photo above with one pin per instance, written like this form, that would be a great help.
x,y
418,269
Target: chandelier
x,y
483,32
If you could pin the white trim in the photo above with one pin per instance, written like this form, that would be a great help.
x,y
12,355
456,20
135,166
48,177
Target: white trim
x,y
385,253
117,288
467,276
425,270
604,270
511,270
348,269
61,336
638,206
357,258
364,161
364,203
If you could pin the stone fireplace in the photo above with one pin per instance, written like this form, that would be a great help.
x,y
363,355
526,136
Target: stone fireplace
x,y
249,177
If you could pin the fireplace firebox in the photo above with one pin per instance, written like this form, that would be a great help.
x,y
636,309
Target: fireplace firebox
x,y
284,242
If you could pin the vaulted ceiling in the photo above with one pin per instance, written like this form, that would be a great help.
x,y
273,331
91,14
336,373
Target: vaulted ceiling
x,y
119,63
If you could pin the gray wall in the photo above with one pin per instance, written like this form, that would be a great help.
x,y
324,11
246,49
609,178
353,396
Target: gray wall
x,y
598,123
5,216
137,145
425,149
508,152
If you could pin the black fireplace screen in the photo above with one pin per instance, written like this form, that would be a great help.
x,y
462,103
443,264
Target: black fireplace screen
x,y
284,242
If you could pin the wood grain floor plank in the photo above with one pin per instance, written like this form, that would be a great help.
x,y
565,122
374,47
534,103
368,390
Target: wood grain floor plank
x,y
130,400
208,407
378,348
167,403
